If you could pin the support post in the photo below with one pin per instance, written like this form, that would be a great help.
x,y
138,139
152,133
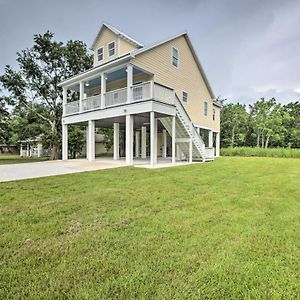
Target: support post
x,y
191,151
103,89
129,71
87,141
21,150
64,141
164,148
153,137
217,144
137,144
210,138
81,95
91,147
144,141
129,140
116,141
173,140
39,149
65,95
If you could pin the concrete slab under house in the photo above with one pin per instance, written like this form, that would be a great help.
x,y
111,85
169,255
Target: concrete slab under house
x,y
156,99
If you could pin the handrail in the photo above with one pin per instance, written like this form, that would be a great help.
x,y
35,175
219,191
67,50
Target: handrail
x,y
115,91
141,84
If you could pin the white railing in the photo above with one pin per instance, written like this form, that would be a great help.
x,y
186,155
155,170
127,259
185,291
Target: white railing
x,y
72,107
209,152
116,97
163,94
91,103
142,91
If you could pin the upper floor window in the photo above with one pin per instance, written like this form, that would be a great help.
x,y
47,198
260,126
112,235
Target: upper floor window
x,y
185,97
100,54
205,108
214,114
111,48
175,57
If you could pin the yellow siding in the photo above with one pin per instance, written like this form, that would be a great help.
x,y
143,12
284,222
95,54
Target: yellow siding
x,y
186,77
106,37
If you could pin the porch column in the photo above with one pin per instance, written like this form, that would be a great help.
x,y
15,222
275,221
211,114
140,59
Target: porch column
x,y
81,95
91,134
217,144
144,141
64,141
65,95
116,141
129,71
164,148
87,141
210,138
173,140
103,89
129,139
191,151
39,149
137,144
153,139
21,150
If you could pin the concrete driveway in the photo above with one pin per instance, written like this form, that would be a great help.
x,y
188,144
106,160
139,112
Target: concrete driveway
x,y
50,168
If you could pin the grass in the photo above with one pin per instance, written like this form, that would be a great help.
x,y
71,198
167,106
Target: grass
x,y
17,159
261,152
222,230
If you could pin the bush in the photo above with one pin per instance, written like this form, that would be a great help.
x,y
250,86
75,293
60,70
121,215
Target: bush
x,y
262,152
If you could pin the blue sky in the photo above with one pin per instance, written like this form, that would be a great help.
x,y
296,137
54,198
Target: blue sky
x,y
248,48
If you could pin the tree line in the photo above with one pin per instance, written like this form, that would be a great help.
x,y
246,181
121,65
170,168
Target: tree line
x,y
265,123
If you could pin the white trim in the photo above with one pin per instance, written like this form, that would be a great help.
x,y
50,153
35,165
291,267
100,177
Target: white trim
x,y
185,102
115,52
173,47
102,54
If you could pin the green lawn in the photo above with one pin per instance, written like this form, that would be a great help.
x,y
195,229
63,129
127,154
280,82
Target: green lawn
x,y
16,159
222,230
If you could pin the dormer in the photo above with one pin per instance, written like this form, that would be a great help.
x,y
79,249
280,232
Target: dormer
x,y
110,43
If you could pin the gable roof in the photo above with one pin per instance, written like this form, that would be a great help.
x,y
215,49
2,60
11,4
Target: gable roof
x,y
118,33
185,35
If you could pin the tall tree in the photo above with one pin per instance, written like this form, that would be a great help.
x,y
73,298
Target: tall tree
x,y
34,85
292,137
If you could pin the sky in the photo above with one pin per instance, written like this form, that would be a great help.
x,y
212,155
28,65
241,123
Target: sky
x,y
249,49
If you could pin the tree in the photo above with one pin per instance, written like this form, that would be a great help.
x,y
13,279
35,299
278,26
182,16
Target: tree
x,y
292,137
5,132
234,118
75,140
34,85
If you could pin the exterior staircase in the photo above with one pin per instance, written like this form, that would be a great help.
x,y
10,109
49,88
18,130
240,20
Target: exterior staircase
x,y
186,132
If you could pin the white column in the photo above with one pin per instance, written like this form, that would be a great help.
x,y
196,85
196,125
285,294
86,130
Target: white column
x,y
173,140
129,71
217,144
27,151
153,139
81,95
65,95
144,141
87,141
21,153
137,144
129,139
210,138
91,134
164,146
191,151
103,89
116,141
64,141
39,149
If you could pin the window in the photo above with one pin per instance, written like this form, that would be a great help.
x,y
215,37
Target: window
x,y
205,108
100,54
185,97
175,57
111,48
214,114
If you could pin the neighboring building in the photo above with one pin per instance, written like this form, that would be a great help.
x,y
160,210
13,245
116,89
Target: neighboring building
x,y
158,96
33,147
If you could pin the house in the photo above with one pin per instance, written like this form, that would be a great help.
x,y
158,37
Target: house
x,y
33,147
157,97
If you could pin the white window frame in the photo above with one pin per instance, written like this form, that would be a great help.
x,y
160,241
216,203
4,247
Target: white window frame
x,y
187,97
173,56
214,114
102,54
205,108
115,45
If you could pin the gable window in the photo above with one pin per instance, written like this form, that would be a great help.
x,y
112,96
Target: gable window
x,y
205,108
175,57
185,97
214,114
100,54
111,48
